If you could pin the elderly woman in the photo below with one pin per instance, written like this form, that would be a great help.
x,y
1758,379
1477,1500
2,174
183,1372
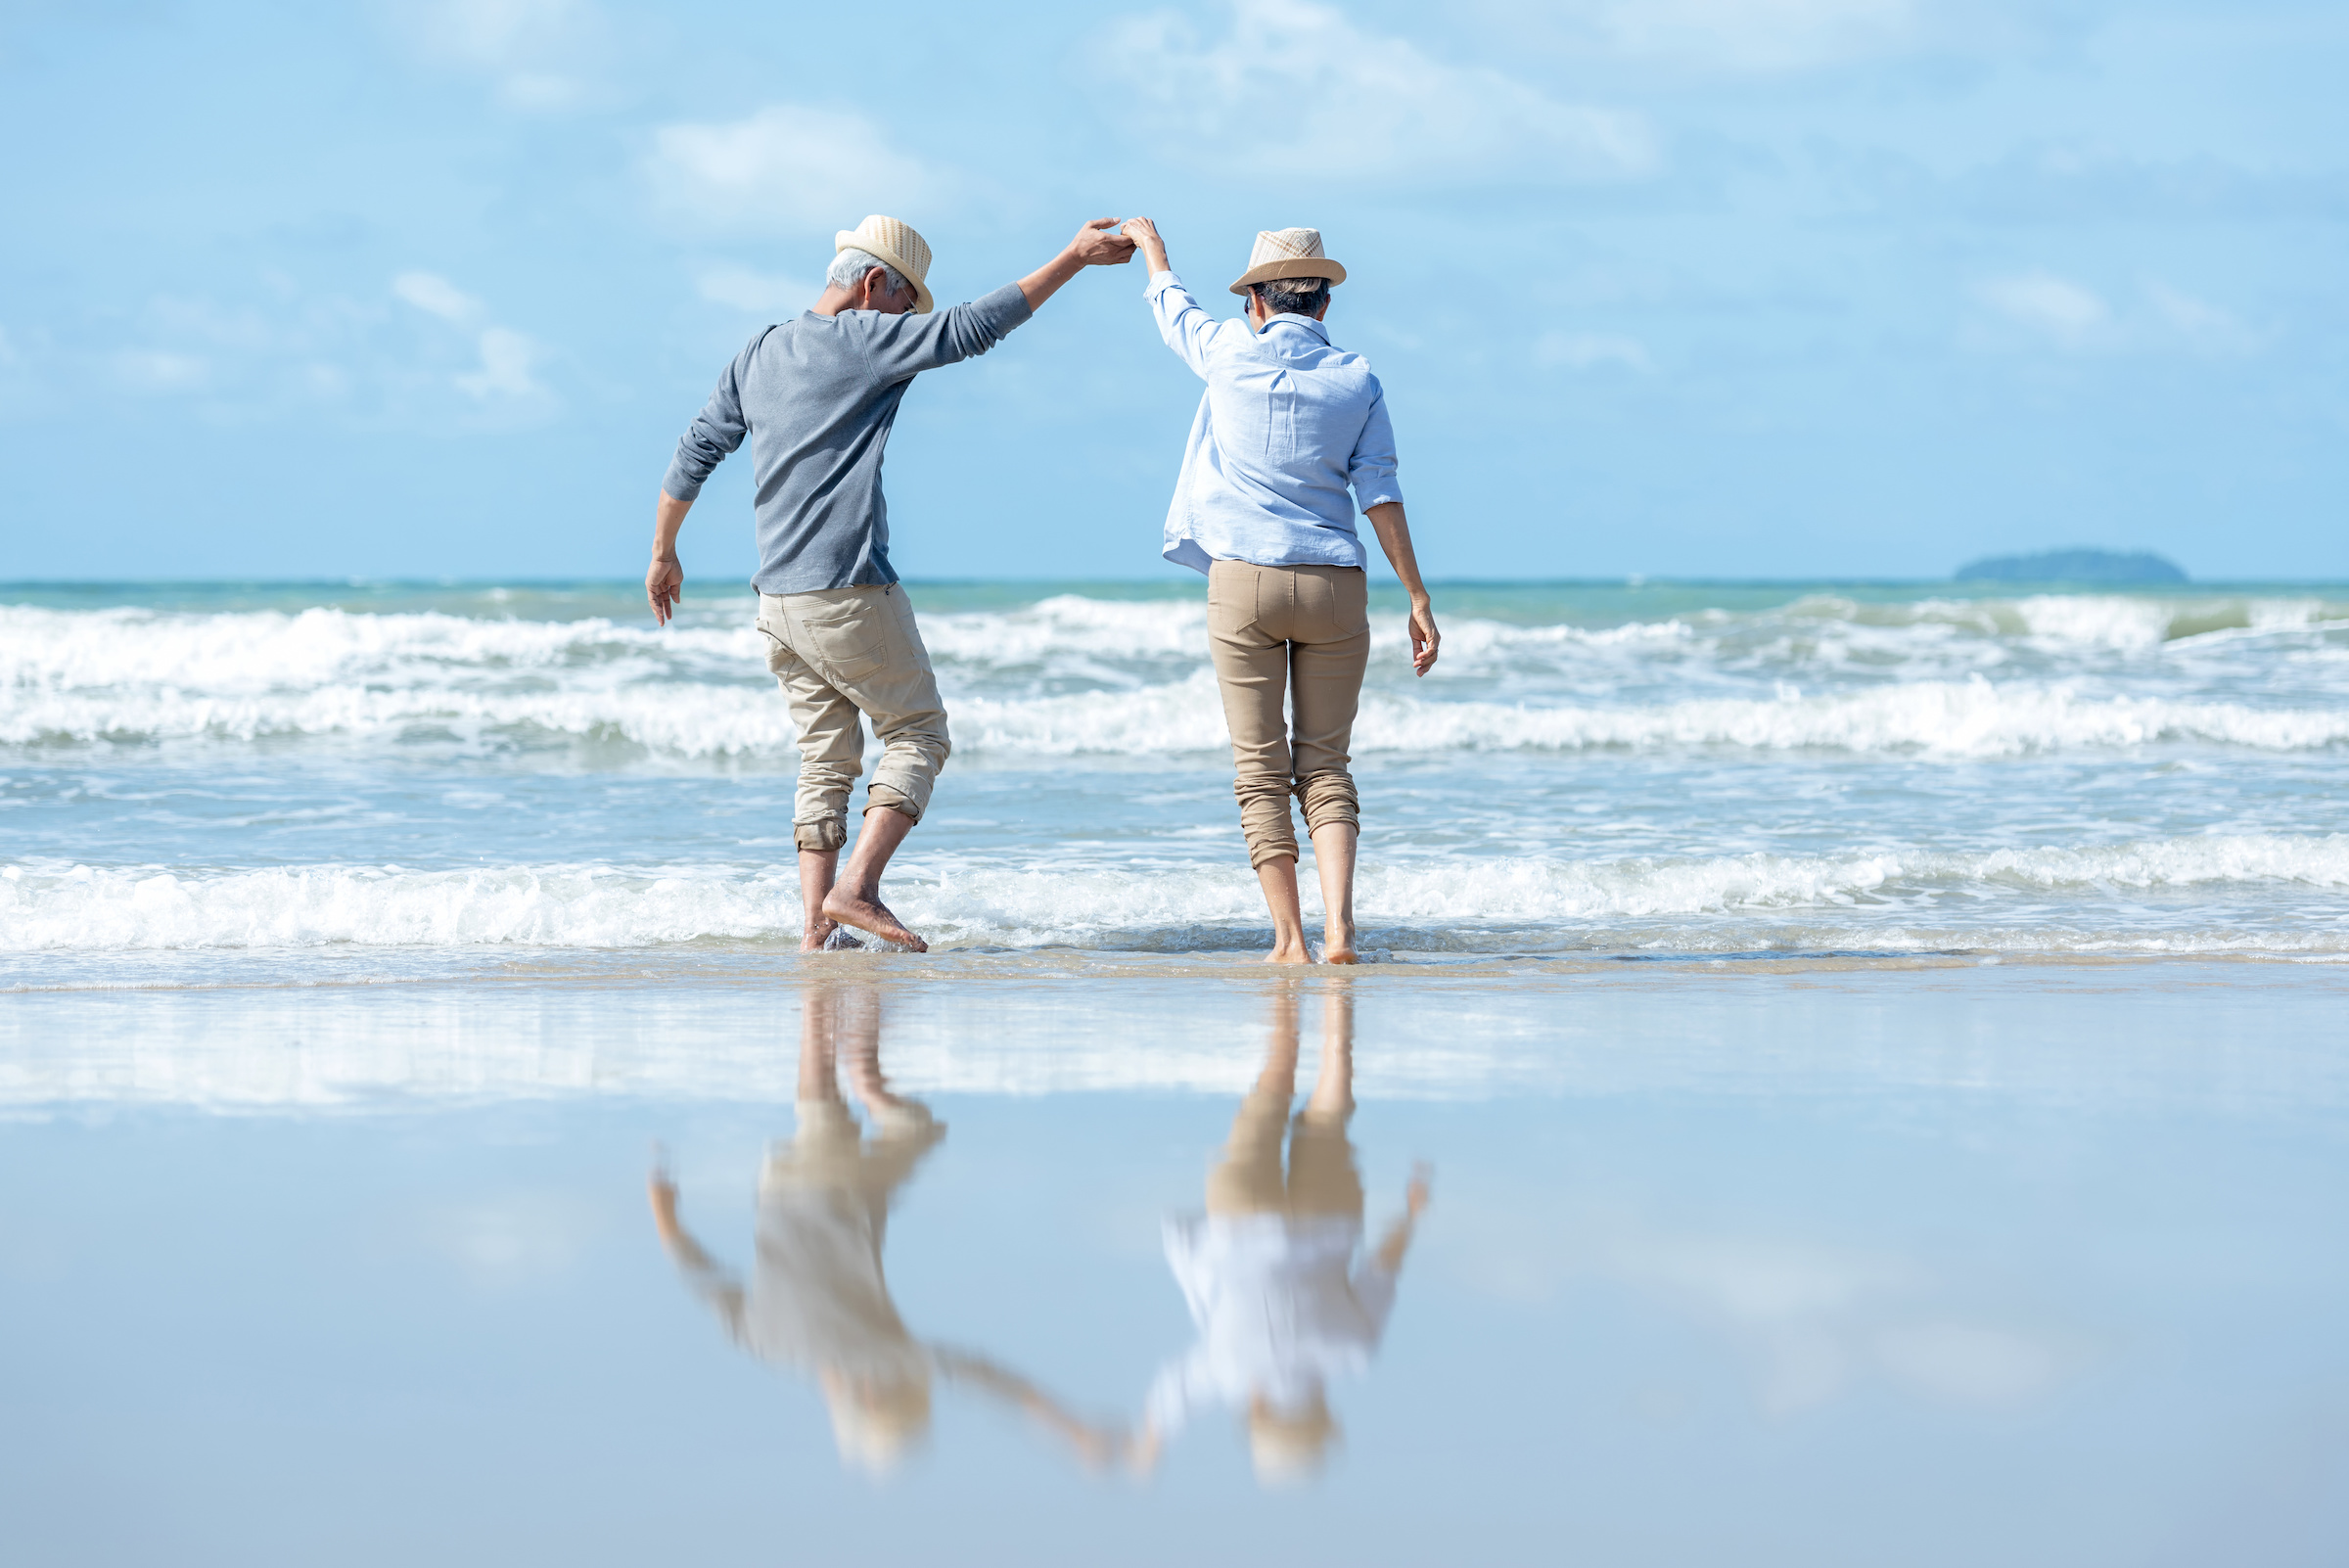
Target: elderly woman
x,y
1289,425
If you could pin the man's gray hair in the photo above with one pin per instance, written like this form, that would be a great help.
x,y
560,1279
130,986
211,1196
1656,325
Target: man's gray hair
x,y
849,266
1299,296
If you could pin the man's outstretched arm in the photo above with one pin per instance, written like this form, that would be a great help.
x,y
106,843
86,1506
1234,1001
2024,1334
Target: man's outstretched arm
x,y
1097,244
903,347
665,579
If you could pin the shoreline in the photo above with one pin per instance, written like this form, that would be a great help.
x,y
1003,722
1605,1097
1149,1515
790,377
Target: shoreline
x,y
298,970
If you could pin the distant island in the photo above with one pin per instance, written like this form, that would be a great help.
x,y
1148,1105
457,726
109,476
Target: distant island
x,y
2073,566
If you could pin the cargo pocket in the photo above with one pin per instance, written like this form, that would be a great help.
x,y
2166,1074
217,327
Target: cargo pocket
x,y
846,639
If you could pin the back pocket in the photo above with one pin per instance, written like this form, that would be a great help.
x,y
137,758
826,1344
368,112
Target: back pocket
x,y
846,639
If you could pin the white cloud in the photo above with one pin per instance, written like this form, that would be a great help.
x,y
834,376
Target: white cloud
x,y
1356,102
787,167
507,360
2203,325
515,1240
542,54
1970,1363
1756,36
1591,351
434,294
2056,308
154,370
745,290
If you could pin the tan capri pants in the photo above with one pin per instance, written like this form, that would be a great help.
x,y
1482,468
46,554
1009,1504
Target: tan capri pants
x,y
1300,632
1322,1178
837,653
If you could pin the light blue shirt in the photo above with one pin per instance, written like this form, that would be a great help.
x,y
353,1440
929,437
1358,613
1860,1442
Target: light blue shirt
x,y
1287,426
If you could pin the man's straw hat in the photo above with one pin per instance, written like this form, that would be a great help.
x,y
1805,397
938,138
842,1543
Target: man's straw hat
x,y
1288,254
896,244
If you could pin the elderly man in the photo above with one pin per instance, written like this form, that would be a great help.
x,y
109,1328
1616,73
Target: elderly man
x,y
817,396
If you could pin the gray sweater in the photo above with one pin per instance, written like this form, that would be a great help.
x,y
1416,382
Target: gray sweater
x,y
817,397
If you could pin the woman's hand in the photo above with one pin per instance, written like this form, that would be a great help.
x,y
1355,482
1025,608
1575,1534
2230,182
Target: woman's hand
x,y
1395,537
1144,234
1425,639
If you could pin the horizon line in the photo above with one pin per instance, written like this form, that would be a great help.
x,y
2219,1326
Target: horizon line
x,y
1633,580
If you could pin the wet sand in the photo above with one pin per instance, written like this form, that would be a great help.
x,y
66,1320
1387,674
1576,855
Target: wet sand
x,y
1814,1262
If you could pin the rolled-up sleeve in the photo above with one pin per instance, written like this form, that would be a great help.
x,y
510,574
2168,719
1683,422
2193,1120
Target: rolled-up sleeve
x,y
899,348
718,429
1372,468
1185,326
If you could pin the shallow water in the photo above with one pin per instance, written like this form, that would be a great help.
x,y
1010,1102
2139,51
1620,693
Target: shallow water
x,y
2030,1264
421,773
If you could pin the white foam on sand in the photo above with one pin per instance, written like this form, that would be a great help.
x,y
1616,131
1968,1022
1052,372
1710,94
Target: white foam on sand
x,y
1879,896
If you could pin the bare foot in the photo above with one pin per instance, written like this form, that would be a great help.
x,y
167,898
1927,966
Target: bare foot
x,y
1335,954
816,935
871,915
1290,953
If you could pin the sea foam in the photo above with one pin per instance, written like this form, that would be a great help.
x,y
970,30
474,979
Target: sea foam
x,y
55,909
1957,719
1071,676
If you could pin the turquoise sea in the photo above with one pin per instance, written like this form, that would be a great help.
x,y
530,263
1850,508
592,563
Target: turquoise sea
x,y
407,778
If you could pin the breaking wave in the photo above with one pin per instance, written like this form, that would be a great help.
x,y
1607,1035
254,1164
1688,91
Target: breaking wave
x,y
1888,896
1071,676
1957,720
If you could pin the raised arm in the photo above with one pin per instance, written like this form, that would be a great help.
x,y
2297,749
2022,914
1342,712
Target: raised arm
x,y
1097,244
1181,322
898,347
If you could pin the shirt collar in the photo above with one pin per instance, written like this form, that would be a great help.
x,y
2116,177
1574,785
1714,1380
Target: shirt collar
x,y
1289,318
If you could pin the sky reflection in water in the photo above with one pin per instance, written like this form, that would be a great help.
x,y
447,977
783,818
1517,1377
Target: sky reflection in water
x,y
1950,1267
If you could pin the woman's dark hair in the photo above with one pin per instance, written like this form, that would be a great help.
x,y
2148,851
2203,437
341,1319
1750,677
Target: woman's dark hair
x,y
1300,297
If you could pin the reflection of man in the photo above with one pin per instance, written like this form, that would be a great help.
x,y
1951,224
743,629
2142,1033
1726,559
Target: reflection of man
x,y
817,1300
1270,1271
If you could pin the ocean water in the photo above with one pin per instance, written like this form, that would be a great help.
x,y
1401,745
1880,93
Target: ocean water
x,y
410,780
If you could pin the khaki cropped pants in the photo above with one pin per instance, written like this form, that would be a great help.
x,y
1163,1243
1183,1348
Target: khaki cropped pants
x,y
1321,1179
1299,633
837,653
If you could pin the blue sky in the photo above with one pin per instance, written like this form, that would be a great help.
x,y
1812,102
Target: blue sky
x,y
1676,287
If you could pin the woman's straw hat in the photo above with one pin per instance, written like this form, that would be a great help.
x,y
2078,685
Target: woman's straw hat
x,y
1288,254
898,245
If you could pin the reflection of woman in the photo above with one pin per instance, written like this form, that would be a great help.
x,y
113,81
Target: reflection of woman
x,y
1269,1270
817,1300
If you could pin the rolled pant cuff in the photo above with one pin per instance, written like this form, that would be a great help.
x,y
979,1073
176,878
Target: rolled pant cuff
x,y
828,833
1262,855
879,794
